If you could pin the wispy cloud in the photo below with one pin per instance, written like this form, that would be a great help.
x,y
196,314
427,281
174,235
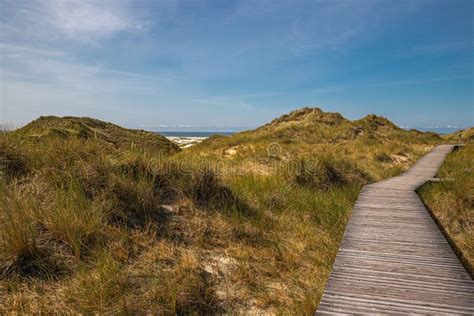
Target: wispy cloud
x,y
58,68
84,20
335,25
38,82
230,61
41,81
91,18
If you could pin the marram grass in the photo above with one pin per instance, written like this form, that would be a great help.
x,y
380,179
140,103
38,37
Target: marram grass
x,y
99,219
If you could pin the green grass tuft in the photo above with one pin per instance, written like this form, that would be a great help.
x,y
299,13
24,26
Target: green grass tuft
x,y
452,202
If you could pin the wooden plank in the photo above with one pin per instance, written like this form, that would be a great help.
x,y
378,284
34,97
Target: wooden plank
x,y
393,258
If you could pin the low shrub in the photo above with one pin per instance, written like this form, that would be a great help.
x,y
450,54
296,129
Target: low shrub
x,y
382,157
188,289
74,219
13,162
98,289
133,203
21,252
206,189
168,181
328,171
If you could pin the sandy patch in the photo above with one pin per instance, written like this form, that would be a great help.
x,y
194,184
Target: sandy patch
x,y
185,142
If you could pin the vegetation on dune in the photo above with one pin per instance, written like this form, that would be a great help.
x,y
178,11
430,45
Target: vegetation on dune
x,y
451,202
373,144
314,126
96,218
107,134
327,172
463,136
103,227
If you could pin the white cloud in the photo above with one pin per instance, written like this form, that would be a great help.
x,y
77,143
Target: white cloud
x,y
81,20
93,18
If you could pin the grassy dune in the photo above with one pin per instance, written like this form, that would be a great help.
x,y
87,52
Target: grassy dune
x,y
95,218
372,145
452,202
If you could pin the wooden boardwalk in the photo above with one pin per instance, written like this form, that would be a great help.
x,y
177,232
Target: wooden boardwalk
x,y
393,258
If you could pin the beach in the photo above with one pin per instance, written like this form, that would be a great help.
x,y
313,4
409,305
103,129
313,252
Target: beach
x,y
186,141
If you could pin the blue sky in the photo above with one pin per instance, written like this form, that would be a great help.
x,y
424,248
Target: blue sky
x,y
237,63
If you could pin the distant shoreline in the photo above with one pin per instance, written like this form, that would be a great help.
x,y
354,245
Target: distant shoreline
x,y
207,134
204,134
186,139
189,138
